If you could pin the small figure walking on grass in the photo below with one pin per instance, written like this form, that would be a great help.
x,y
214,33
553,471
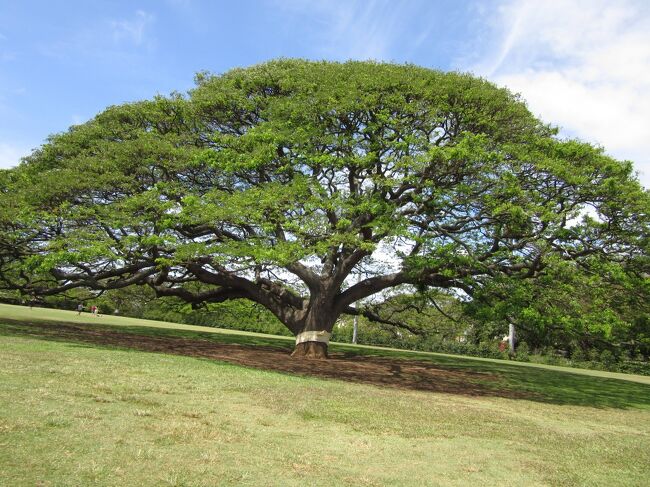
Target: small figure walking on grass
x,y
80,308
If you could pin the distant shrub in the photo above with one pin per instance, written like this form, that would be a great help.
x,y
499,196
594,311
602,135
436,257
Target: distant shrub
x,y
607,358
522,353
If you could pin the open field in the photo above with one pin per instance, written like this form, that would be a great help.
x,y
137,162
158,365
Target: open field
x,y
84,402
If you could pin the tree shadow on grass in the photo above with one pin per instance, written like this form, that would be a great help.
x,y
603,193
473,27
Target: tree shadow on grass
x,y
432,373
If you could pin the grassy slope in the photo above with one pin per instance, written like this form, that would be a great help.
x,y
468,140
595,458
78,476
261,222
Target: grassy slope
x,y
76,414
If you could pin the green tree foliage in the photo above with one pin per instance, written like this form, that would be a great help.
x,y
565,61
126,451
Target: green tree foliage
x,y
577,308
308,186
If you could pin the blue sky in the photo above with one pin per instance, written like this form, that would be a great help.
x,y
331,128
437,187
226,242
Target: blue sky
x,y
581,64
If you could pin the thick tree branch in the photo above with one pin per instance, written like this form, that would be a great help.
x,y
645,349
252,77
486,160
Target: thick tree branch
x,y
368,287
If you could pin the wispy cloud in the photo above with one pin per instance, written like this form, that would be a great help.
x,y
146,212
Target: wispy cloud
x,y
5,54
77,119
133,30
355,29
179,3
582,64
107,38
10,154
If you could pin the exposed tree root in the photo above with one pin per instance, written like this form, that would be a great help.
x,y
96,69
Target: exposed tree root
x,y
310,350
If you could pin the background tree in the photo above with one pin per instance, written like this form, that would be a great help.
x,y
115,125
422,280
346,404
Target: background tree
x,y
576,308
307,186
421,316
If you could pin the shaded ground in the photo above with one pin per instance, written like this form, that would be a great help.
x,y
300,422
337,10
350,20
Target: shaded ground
x,y
391,372
375,366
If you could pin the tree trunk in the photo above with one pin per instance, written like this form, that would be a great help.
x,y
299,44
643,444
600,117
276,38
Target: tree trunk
x,y
313,350
314,334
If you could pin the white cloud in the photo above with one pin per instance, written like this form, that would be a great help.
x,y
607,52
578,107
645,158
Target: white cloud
x,y
353,29
583,65
106,40
77,119
10,155
133,30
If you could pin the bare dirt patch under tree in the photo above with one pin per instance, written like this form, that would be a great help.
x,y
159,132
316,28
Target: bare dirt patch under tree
x,y
381,371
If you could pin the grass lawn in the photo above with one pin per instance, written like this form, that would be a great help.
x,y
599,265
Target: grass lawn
x,y
75,412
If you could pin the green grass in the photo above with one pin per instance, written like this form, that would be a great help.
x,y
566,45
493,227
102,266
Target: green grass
x,y
83,414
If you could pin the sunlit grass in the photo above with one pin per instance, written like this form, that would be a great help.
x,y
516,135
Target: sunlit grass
x,y
81,414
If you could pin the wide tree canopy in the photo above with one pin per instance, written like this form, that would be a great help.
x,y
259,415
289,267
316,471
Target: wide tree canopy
x,y
308,186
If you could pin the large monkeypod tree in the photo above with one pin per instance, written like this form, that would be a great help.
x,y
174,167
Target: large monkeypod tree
x,y
308,186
